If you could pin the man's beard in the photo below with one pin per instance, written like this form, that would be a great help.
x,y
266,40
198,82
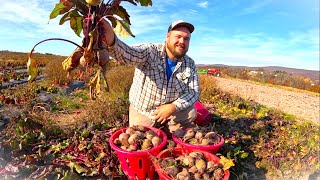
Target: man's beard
x,y
176,54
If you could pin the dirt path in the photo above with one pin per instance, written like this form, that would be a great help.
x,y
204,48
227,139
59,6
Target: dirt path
x,y
303,105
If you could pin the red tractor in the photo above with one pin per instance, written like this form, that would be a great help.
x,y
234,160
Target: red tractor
x,y
214,72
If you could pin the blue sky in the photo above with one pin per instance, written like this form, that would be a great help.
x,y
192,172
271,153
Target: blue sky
x,y
247,32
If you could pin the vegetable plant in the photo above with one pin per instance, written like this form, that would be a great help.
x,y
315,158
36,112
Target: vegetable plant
x,y
92,50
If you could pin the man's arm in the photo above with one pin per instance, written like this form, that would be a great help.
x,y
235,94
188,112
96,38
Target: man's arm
x,y
122,52
191,95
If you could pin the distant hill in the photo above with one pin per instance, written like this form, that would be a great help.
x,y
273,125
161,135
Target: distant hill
x,y
11,55
6,55
314,75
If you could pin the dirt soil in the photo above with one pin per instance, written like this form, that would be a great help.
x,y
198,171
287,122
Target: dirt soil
x,y
301,104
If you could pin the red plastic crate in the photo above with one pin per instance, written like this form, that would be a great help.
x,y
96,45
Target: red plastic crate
x,y
203,115
137,164
177,152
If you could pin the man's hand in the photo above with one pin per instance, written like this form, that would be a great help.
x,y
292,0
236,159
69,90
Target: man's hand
x,y
108,35
163,112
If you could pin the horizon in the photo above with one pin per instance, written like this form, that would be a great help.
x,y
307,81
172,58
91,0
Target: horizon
x,y
250,33
197,64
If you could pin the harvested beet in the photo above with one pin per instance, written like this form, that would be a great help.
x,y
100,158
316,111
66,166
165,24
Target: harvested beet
x,y
137,138
194,165
198,136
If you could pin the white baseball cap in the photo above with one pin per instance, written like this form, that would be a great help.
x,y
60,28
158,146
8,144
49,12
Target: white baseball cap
x,y
180,23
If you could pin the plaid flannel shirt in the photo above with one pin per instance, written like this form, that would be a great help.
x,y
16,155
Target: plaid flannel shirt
x,y
150,87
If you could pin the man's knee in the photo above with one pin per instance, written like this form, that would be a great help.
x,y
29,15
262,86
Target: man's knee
x,y
136,118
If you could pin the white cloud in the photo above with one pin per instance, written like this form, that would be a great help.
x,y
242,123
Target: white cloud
x,y
203,4
299,50
23,11
256,6
161,6
33,14
192,11
309,37
27,21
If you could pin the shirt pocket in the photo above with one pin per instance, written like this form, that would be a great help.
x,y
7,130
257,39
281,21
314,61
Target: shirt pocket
x,y
181,82
152,69
154,74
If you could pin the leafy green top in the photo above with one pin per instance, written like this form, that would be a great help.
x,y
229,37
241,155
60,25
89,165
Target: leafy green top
x,y
76,10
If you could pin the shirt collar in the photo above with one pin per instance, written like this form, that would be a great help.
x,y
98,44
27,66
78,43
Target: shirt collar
x,y
163,51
